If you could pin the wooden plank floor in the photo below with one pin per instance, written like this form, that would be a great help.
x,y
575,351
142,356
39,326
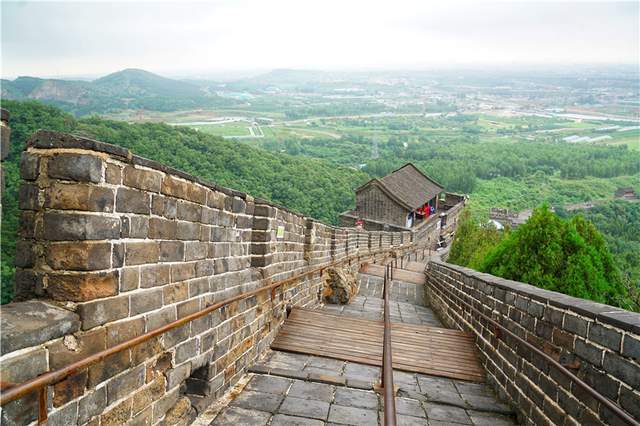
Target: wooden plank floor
x,y
398,274
415,266
416,348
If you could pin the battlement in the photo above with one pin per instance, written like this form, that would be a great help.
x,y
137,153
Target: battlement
x,y
114,246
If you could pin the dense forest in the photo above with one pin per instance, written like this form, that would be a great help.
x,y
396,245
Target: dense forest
x,y
569,256
619,222
312,187
462,160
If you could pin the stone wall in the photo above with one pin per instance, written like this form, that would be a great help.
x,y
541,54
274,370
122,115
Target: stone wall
x,y
599,343
113,246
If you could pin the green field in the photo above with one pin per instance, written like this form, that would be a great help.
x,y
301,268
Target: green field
x,y
235,128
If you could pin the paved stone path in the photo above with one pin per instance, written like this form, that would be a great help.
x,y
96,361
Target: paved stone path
x,y
299,389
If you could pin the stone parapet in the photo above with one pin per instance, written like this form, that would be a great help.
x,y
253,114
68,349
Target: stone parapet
x,y
600,344
114,245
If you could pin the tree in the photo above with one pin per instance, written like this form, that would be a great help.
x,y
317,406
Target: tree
x,y
472,242
570,257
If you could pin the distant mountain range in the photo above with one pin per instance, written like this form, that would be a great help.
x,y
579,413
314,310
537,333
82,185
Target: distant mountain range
x,y
129,88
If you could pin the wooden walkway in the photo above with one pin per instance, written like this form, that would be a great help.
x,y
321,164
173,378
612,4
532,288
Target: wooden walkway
x,y
398,274
416,348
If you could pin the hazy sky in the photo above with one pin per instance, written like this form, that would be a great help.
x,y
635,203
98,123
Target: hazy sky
x,y
91,38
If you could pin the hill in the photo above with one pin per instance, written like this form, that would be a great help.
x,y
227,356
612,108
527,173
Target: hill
x,y
129,88
313,187
136,82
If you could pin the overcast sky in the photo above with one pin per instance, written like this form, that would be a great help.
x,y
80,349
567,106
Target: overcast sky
x,y
182,38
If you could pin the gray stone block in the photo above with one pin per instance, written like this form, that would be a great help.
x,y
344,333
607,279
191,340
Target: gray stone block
x,y
26,324
352,416
77,167
604,336
356,398
269,384
261,401
305,408
241,416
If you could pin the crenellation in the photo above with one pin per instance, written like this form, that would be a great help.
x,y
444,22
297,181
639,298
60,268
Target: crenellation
x,y
139,245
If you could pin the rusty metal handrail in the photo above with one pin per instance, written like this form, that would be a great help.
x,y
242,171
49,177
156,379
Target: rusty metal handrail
x,y
38,383
610,405
387,359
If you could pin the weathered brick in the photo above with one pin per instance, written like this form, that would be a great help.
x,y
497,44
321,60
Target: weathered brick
x,y
145,301
99,312
175,292
125,384
147,180
145,351
604,336
130,279
29,166
67,415
622,369
189,307
198,287
176,376
157,205
215,199
600,381
121,331
143,398
113,174
171,251
143,418
118,415
630,401
79,256
70,388
67,196
563,339
162,317
92,404
183,271
186,351
205,268
631,347
141,252
576,325
133,201
188,231
238,205
182,189
28,198
27,225
117,255
135,226
154,275
160,228
21,368
195,250
25,256
78,167
170,208
71,349
109,367
69,226
189,211
82,287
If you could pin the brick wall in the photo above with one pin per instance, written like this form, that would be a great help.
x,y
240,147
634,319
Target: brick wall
x,y
599,343
114,245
